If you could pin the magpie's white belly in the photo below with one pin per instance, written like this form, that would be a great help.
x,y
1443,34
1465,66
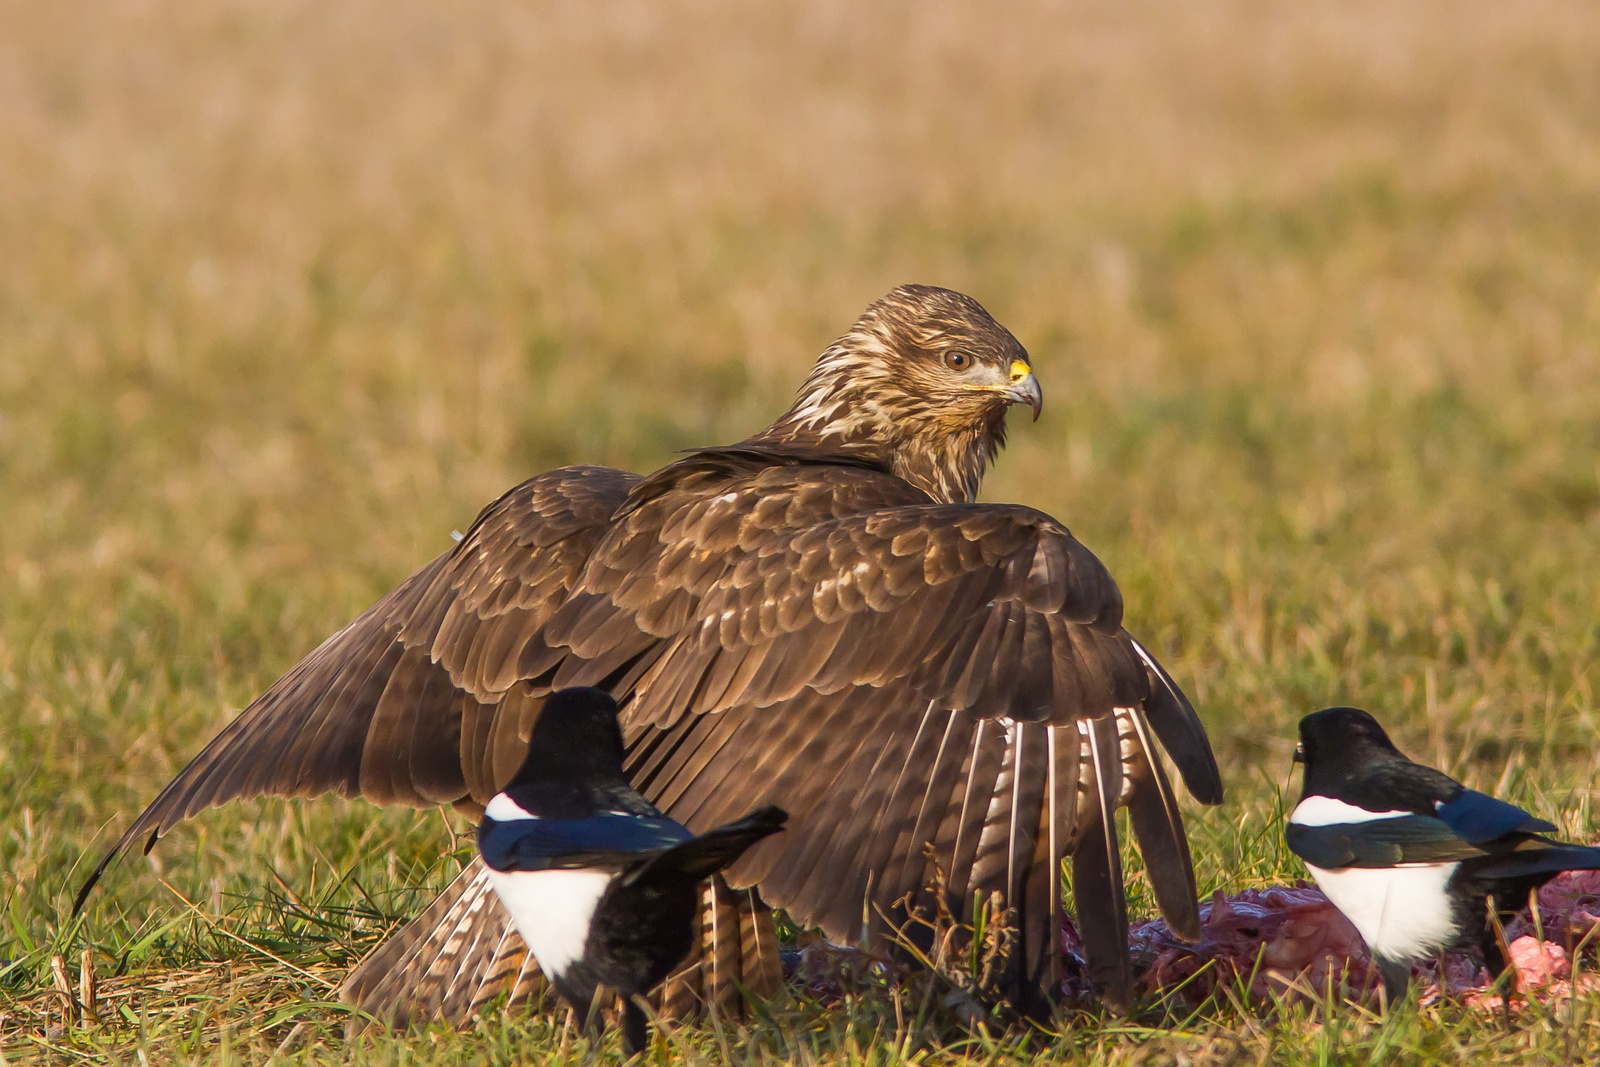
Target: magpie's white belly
x,y
1402,912
552,911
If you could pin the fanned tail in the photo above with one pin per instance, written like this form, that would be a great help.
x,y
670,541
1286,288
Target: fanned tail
x,y
459,954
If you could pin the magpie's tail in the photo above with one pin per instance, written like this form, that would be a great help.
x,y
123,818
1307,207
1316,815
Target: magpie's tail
x,y
463,951
715,850
1538,856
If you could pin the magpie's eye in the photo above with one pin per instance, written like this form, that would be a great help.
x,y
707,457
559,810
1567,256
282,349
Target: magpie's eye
x,y
957,360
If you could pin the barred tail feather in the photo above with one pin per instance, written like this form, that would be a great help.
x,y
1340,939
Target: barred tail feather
x,y
735,953
460,953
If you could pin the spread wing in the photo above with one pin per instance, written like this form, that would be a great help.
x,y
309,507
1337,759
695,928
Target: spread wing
x,y
373,711
819,637
891,675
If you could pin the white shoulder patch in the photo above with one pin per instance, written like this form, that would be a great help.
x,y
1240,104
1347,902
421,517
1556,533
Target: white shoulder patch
x,y
503,809
1326,811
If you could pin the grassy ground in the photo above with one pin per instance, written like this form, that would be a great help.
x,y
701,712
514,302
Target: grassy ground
x,y
288,290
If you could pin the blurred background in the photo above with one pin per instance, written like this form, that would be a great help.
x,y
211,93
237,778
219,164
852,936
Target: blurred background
x,y
288,290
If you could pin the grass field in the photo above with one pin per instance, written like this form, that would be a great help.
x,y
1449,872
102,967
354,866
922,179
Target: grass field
x,y
288,290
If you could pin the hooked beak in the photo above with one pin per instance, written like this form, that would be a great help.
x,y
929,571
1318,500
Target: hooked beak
x,y
1024,388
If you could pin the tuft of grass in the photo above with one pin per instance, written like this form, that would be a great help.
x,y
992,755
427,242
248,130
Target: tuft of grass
x,y
291,290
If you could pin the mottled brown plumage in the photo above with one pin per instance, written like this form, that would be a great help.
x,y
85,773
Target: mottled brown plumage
x,y
818,617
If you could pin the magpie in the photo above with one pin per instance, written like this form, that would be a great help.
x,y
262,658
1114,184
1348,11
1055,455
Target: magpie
x,y
1413,858
602,886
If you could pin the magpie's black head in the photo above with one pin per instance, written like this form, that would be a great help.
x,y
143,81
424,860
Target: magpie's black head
x,y
1338,744
576,736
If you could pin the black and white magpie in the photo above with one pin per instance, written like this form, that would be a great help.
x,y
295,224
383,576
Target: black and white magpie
x,y
1410,855
601,885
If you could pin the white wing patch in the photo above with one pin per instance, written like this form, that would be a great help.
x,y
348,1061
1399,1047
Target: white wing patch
x,y
1326,811
503,809
552,911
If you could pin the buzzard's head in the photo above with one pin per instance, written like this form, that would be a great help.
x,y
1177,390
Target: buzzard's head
x,y
921,382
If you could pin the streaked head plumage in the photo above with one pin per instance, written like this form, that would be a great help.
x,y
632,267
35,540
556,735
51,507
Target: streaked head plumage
x,y
921,381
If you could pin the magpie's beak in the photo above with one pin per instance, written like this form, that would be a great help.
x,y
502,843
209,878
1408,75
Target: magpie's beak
x,y
1024,388
1299,753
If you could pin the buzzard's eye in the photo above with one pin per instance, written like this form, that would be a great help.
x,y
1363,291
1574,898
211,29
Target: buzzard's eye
x,y
957,360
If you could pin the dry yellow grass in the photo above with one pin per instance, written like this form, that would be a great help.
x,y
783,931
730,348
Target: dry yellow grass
x,y
288,290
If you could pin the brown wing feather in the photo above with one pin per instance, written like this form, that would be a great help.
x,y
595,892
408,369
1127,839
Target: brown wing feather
x,y
777,633
332,724
433,966
1158,825
1097,863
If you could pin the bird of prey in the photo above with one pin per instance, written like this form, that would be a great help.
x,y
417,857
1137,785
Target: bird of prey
x,y
603,888
1411,856
820,617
